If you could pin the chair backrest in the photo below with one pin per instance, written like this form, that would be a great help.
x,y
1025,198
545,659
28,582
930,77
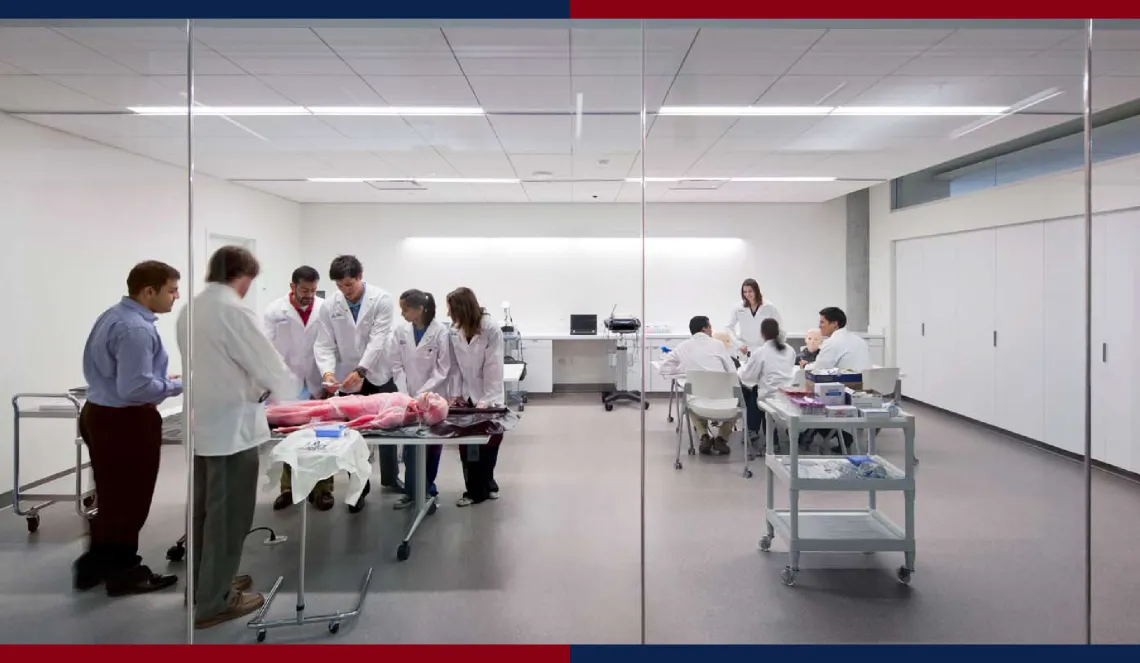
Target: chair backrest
x,y
881,380
711,384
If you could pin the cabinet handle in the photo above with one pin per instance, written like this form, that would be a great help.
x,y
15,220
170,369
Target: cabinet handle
x,y
924,329
1104,353
995,338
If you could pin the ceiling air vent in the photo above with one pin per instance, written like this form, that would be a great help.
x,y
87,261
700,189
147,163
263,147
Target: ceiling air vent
x,y
697,185
404,185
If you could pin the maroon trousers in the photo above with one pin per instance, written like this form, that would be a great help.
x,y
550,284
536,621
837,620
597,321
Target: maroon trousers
x,y
124,445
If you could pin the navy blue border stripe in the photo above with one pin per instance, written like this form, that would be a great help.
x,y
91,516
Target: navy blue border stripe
x,y
284,9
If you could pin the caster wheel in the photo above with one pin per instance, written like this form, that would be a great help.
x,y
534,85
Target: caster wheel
x,y
788,576
670,418
261,636
89,501
609,407
404,551
747,474
692,451
904,575
526,399
678,466
521,408
646,404
175,553
33,524
334,628
433,508
765,544
916,461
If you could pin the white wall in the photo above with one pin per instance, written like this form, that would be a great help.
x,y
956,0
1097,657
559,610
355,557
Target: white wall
x,y
1055,197
77,216
696,258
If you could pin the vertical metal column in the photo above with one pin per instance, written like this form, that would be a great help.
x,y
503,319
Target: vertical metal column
x,y
644,364
188,351
1088,328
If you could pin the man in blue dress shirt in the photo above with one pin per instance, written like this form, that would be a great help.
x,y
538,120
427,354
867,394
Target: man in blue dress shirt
x,y
125,366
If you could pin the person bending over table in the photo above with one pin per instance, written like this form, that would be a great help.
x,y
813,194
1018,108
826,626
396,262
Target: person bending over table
x,y
768,368
476,381
420,349
702,352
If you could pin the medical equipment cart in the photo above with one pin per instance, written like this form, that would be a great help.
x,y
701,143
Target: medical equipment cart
x,y
513,355
49,406
835,530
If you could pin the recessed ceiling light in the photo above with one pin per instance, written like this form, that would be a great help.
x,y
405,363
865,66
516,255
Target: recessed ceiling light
x,y
738,111
220,110
399,111
879,111
798,111
420,180
732,179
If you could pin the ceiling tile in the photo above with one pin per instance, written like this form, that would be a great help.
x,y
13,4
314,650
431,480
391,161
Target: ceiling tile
x,y
290,64
549,192
487,163
597,192
619,93
560,166
816,90
384,42
34,93
530,134
716,90
553,65
409,65
324,90
124,91
456,133
604,133
854,63
523,93
607,165
880,40
423,90
983,39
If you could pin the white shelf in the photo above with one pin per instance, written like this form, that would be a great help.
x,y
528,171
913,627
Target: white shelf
x,y
841,531
780,467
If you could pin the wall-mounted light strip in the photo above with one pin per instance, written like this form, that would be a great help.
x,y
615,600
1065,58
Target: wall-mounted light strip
x,y
347,111
801,111
671,180
416,180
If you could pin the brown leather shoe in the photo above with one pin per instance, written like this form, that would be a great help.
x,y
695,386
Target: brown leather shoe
x,y
324,501
283,501
242,583
239,605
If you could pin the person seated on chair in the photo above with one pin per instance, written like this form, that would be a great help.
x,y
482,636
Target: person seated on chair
x,y
702,352
768,368
810,352
842,349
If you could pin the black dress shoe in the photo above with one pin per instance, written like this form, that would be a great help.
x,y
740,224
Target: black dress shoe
x,y
283,501
139,580
359,506
84,577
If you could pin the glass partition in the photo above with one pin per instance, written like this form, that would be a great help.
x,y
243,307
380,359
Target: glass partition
x,y
95,207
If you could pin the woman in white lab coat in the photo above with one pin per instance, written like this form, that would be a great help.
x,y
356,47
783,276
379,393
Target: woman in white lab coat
x,y
476,381
744,324
420,349
769,367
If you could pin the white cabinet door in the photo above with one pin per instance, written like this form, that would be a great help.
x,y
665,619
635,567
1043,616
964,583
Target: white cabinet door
x,y
539,358
941,369
910,291
1019,302
1064,335
973,326
1121,252
1102,395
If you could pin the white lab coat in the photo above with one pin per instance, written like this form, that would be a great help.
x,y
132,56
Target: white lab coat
x,y
744,327
843,349
294,340
699,353
426,367
234,364
344,344
769,368
477,367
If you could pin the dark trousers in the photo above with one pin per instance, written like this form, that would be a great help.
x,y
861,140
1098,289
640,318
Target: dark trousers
x,y
479,462
752,414
225,494
434,452
387,454
124,444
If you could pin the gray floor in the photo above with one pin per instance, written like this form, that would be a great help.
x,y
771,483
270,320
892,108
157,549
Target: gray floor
x,y
557,558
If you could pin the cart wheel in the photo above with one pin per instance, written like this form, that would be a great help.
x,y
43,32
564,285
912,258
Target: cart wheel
x,y
609,407
334,627
765,543
521,407
904,575
261,636
916,460
788,576
433,508
646,404
404,551
678,466
526,399
747,474
692,451
670,418
176,552
33,523
88,501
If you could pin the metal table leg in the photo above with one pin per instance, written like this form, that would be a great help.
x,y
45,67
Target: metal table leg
x,y
425,504
333,619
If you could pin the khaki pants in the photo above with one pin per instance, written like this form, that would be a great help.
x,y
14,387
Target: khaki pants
x,y
323,486
225,493
724,431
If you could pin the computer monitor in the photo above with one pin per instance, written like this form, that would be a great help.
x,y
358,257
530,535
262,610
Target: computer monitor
x,y
582,324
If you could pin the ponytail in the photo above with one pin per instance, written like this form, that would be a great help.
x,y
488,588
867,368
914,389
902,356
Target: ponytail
x,y
770,330
421,299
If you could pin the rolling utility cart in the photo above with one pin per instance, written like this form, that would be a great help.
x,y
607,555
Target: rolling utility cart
x,y
836,530
49,406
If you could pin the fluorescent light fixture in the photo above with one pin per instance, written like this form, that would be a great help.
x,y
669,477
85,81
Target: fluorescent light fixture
x,y
799,111
919,111
1024,104
418,180
739,111
231,111
731,179
399,111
